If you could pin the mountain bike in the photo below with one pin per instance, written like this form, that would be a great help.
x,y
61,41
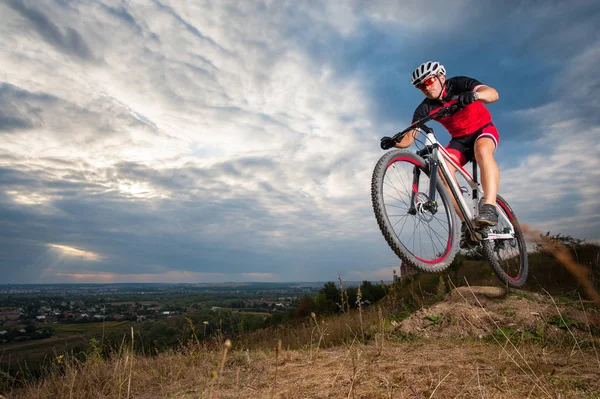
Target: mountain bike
x,y
417,216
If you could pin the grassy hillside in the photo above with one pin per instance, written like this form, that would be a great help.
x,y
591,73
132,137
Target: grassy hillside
x,y
475,342
433,335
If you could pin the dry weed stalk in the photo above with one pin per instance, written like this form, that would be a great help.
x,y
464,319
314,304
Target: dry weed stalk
x,y
355,372
439,383
72,385
277,351
321,335
587,322
130,366
345,306
216,374
468,383
380,336
192,328
343,362
562,254
389,387
565,323
536,381
359,304
415,394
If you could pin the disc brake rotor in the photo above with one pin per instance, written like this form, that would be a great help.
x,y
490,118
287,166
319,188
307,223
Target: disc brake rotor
x,y
421,199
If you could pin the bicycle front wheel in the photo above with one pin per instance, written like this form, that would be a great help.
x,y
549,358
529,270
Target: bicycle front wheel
x,y
508,257
422,235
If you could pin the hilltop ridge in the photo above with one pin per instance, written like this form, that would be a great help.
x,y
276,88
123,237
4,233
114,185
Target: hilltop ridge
x,y
476,342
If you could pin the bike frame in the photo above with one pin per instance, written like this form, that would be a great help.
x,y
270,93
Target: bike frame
x,y
439,159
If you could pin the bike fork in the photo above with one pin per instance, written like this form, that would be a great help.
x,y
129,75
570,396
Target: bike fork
x,y
415,189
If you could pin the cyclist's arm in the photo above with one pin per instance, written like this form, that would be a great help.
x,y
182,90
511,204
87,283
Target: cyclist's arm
x,y
486,94
408,139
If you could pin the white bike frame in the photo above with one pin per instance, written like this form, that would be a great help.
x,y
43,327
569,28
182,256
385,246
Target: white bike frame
x,y
444,158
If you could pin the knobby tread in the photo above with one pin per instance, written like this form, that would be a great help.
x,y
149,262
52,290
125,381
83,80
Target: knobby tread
x,y
388,231
488,252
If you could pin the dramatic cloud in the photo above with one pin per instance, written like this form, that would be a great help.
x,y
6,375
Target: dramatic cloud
x,y
213,141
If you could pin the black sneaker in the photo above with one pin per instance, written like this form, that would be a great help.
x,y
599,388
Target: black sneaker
x,y
488,215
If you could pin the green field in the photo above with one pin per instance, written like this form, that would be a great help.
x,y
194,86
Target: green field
x,y
66,338
91,329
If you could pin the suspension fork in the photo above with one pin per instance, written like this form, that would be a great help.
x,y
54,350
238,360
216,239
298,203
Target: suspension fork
x,y
434,167
431,205
415,189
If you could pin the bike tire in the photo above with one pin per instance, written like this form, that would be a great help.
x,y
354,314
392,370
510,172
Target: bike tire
x,y
515,259
384,165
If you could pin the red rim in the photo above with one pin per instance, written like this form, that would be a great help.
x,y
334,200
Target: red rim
x,y
445,255
511,218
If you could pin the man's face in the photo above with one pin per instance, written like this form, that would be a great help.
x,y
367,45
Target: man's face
x,y
432,87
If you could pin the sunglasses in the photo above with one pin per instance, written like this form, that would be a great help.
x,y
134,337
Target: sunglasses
x,y
427,82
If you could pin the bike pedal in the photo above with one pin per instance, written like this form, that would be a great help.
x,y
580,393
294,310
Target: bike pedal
x,y
480,235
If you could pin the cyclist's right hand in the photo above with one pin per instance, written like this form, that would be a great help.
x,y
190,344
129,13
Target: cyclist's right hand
x,y
387,143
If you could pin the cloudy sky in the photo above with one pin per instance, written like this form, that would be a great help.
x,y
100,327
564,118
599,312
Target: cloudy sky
x,y
207,141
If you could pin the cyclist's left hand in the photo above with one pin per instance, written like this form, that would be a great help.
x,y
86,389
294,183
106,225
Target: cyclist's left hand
x,y
387,143
467,98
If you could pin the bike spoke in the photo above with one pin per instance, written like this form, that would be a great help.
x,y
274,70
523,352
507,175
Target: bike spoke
x,y
423,234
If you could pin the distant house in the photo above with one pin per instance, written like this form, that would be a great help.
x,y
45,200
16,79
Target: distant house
x,y
99,317
141,318
41,318
9,315
406,270
215,308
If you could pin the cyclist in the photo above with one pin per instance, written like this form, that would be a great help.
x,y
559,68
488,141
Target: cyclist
x,y
471,128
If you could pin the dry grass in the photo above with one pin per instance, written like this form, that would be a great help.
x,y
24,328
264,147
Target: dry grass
x,y
388,365
421,369
523,346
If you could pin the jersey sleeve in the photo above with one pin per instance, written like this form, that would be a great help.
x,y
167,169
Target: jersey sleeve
x,y
463,83
420,113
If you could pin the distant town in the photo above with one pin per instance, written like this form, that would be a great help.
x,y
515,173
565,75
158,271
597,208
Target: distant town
x,y
34,311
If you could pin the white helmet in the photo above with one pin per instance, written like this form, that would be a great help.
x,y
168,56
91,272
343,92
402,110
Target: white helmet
x,y
425,70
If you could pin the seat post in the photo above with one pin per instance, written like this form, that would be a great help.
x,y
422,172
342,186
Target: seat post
x,y
475,171
475,179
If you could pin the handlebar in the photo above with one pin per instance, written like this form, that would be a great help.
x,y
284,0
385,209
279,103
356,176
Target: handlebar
x,y
443,112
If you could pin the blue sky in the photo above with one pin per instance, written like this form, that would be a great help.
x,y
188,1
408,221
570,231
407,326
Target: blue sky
x,y
209,141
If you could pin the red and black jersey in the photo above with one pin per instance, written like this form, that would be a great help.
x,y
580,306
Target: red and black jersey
x,y
464,122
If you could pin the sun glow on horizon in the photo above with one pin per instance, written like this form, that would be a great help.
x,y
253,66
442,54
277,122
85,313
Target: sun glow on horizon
x,y
172,276
66,250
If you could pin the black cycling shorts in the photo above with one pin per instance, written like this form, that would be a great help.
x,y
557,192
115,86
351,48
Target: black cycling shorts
x,y
462,147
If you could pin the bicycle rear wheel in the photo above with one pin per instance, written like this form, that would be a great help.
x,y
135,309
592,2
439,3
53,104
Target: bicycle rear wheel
x,y
508,257
425,237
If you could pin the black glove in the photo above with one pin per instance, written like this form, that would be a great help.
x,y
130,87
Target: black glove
x,y
387,143
467,98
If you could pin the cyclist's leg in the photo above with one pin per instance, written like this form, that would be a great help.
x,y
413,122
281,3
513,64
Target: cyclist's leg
x,y
485,145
